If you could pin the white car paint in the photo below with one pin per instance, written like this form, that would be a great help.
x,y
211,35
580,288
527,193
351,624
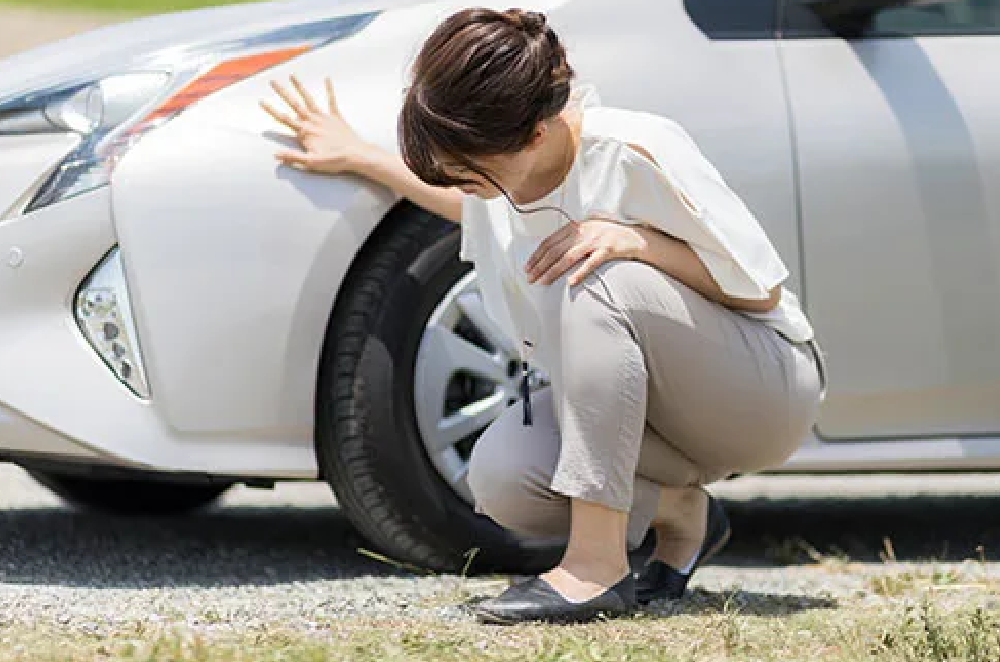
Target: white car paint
x,y
234,264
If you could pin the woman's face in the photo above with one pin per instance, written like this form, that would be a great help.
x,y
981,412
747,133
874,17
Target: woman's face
x,y
508,170
511,171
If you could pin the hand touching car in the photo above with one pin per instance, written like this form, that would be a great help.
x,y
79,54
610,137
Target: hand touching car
x,y
328,144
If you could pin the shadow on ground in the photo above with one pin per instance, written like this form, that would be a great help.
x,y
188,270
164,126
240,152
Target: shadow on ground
x,y
266,545
746,603
220,547
919,528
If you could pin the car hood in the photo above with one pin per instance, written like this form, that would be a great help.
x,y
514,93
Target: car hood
x,y
117,47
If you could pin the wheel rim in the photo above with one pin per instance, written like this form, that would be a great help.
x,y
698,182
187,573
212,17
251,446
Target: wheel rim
x,y
467,373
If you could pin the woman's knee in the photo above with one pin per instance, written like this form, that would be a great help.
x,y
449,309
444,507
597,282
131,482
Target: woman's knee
x,y
508,490
494,476
500,485
511,465
639,288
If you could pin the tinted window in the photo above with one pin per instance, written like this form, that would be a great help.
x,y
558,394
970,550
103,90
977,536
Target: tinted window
x,y
926,18
940,17
726,19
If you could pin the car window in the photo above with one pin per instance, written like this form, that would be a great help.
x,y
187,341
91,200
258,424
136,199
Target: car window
x,y
940,17
915,19
725,19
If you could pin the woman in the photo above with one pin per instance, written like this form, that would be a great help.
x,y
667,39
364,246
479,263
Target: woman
x,y
615,253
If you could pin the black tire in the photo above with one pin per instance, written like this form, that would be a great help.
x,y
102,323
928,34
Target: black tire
x,y
368,443
133,498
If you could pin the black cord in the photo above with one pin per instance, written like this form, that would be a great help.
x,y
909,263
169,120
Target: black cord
x,y
525,375
526,394
513,204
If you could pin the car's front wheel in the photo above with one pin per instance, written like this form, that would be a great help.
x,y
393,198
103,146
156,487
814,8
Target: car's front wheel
x,y
132,497
412,372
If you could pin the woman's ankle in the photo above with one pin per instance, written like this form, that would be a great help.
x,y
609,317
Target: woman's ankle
x,y
604,571
680,536
680,505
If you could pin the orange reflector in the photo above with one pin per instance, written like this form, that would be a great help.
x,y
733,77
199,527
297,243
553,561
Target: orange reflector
x,y
222,75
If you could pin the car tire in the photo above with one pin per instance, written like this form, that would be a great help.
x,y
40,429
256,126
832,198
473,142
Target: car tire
x,y
133,498
368,444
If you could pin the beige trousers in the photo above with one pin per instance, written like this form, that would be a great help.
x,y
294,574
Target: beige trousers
x,y
652,386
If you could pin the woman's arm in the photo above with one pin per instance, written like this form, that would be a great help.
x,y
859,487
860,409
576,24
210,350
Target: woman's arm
x,y
676,258
595,241
598,240
330,146
389,170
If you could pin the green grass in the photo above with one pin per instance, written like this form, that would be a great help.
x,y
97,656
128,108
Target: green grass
x,y
907,631
122,6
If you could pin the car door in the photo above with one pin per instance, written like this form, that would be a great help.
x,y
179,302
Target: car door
x,y
896,126
712,66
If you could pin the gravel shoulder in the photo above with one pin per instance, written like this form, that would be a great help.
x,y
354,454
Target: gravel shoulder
x,y
288,556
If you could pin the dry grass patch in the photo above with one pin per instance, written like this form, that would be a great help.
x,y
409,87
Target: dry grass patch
x,y
713,628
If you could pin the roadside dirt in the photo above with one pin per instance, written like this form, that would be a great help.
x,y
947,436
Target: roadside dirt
x,y
24,28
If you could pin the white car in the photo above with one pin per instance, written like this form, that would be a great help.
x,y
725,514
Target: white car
x,y
178,313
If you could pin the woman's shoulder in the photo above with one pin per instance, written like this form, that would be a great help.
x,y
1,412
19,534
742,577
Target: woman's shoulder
x,y
601,121
631,126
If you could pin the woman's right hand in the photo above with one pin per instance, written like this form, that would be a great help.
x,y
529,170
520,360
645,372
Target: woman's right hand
x,y
328,143
330,146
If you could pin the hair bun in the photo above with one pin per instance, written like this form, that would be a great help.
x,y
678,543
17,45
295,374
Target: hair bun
x,y
532,23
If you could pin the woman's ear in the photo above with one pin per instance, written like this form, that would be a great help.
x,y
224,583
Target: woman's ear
x,y
538,135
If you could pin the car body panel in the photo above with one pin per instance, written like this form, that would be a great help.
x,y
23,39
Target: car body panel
x,y
901,238
261,277
54,379
25,162
234,264
23,436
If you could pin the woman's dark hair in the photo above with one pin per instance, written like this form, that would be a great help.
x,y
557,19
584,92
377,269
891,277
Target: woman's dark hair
x,y
481,83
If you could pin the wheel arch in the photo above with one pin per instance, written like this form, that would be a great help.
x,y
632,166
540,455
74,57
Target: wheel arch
x,y
391,223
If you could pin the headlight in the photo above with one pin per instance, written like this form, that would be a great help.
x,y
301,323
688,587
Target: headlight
x,y
95,111
111,114
86,109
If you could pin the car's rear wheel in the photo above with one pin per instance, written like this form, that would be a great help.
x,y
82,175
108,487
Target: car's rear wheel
x,y
412,372
130,497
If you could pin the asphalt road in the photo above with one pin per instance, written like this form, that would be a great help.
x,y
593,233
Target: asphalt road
x,y
943,517
289,555
932,516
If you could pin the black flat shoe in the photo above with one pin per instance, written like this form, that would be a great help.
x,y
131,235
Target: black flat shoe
x,y
536,601
658,581
641,555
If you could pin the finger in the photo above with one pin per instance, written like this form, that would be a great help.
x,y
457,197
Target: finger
x,y
282,118
307,98
553,239
564,264
309,128
289,98
293,158
554,253
551,249
331,98
594,260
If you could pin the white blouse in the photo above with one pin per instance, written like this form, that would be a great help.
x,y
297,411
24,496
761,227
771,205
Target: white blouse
x,y
681,194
